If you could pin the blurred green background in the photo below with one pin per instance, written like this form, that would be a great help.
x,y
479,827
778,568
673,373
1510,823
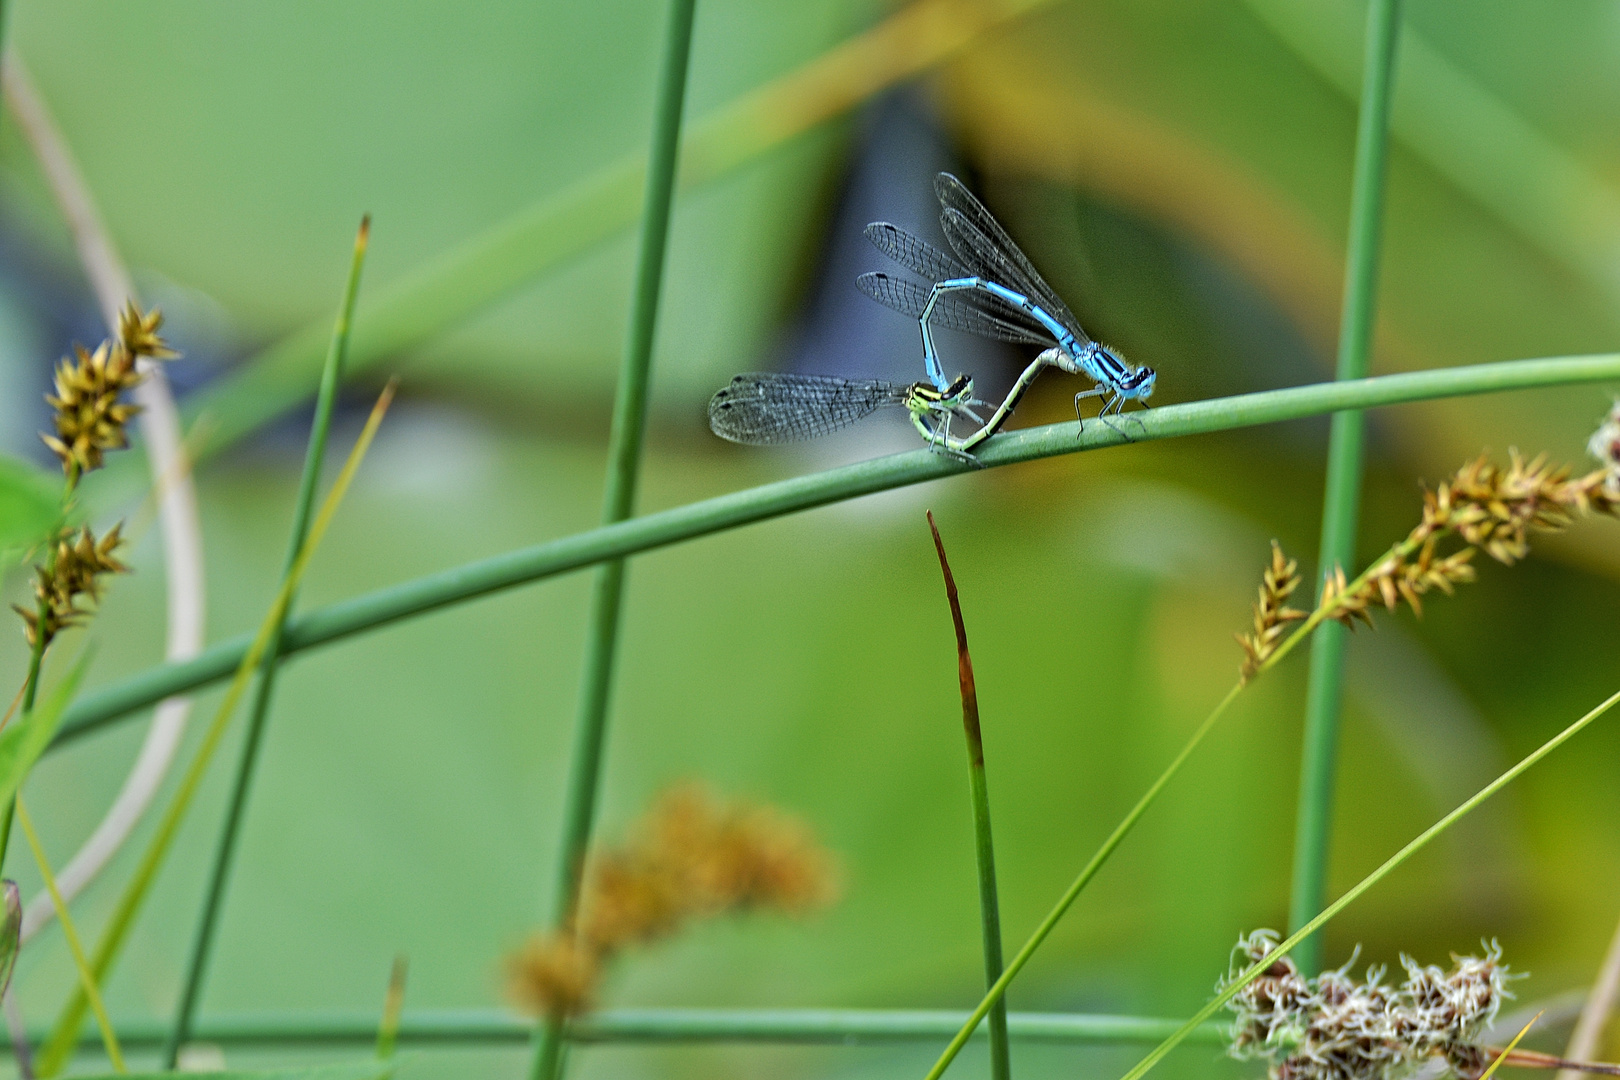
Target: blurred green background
x,y
1180,171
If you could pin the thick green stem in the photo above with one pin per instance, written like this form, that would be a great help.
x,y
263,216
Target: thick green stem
x,y
983,846
95,709
1342,498
788,1027
624,467
259,712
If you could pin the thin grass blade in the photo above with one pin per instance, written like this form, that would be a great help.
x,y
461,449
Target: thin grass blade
x,y
87,980
979,792
259,711
1355,892
54,1057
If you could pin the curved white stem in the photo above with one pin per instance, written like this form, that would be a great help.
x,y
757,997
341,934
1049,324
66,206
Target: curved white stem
x,y
171,475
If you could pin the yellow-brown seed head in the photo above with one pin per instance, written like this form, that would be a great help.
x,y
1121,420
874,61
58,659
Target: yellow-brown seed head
x,y
1271,612
74,573
90,419
553,975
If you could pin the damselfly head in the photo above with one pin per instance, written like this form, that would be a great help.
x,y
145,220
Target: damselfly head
x,y
1137,382
960,389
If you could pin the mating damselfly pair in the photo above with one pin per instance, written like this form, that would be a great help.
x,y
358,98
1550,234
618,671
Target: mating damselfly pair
x,y
987,287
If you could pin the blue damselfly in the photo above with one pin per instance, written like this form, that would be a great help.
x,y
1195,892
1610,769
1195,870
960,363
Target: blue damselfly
x,y
990,288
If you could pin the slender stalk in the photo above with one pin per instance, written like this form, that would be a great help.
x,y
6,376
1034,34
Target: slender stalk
x,y
624,467
259,711
486,576
1503,1056
87,979
30,690
979,793
1072,893
1532,1059
1355,892
56,1053
1587,1037
1341,502
619,1027
393,1007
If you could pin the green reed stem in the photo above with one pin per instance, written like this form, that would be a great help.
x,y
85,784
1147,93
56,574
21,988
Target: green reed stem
x,y
789,1027
259,710
1333,909
36,652
624,467
979,793
55,1054
1048,924
1341,503
87,979
95,709
36,656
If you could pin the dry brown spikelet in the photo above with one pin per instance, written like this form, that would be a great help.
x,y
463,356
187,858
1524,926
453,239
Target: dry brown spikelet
x,y
74,574
553,974
690,856
89,418
734,857
1271,611
1491,509
628,901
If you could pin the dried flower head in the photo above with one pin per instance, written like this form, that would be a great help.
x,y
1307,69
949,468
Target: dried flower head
x,y
90,419
1491,509
1271,611
73,573
138,333
733,857
691,856
1333,1027
553,974
628,900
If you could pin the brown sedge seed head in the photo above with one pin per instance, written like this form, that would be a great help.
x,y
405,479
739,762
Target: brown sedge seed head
x,y
690,856
1271,612
89,418
74,574
1491,509
553,974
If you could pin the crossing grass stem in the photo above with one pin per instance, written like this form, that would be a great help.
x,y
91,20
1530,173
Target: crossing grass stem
x,y
95,709
1341,501
259,710
624,468
1350,896
485,577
